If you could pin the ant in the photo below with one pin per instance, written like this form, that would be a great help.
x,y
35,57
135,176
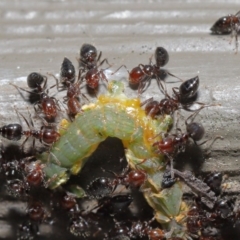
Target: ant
x,y
169,105
67,76
103,186
171,145
48,105
47,135
142,74
228,24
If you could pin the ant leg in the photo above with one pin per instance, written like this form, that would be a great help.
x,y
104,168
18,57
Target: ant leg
x,y
80,79
45,83
210,145
146,101
172,75
119,69
99,56
103,76
192,116
104,61
21,88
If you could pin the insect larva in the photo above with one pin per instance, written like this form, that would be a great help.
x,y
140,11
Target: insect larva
x,y
115,115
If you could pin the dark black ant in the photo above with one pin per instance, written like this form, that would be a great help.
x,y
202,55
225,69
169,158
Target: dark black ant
x,y
48,105
228,24
67,77
142,74
169,105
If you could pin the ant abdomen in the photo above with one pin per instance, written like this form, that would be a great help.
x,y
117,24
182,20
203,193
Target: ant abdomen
x,y
195,130
161,56
100,187
35,79
12,131
67,71
189,88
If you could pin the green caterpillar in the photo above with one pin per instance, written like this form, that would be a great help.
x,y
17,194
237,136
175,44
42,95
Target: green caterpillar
x,y
115,115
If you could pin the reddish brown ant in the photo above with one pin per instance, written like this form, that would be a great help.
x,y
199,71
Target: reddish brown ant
x,y
103,186
142,74
48,105
46,135
67,76
228,24
173,144
169,105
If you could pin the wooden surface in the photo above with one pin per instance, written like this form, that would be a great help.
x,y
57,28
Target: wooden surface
x,y
37,35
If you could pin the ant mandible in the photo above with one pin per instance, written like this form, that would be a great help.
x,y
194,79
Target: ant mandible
x,y
169,105
228,24
48,105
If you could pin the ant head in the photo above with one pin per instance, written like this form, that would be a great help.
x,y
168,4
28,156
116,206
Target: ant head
x,y
88,53
161,56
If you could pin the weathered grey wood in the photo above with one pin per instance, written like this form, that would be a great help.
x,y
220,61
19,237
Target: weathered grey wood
x,y
36,35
